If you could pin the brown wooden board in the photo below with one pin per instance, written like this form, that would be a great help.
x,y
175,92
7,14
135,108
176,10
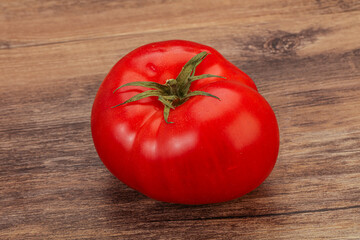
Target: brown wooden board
x,y
303,55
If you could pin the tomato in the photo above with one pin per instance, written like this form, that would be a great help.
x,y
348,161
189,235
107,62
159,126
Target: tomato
x,y
203,141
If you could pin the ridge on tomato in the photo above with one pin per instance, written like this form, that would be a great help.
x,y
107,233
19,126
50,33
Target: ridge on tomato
x,y
179,123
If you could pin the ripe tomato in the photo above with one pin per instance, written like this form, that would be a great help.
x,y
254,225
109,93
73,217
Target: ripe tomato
x,y
204,150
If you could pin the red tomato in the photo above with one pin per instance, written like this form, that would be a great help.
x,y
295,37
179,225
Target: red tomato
x,y
213,151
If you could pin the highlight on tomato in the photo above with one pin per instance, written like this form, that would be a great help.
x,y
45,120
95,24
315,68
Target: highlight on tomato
x,y
179,123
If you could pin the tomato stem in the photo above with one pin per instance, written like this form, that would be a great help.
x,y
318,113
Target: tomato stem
x,y
175,91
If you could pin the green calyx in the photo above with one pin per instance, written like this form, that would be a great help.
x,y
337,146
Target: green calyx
x,y
175,91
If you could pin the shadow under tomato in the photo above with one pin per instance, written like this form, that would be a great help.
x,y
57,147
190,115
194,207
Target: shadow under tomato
x,y
124,202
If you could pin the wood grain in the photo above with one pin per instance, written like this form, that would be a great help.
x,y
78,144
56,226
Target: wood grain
x,y
303,55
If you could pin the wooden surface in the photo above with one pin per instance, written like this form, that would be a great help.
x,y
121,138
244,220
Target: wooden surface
x,y
303,55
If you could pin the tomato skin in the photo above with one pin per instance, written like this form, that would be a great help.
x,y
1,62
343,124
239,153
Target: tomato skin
x,y
214,151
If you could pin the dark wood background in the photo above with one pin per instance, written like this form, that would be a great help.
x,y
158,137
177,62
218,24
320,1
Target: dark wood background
x,y
303,55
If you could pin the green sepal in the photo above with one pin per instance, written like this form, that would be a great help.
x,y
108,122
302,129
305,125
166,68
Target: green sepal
x,y
198,62
183,77
166,102
202,76
197,93
166,113
154,85
149,93
195,78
